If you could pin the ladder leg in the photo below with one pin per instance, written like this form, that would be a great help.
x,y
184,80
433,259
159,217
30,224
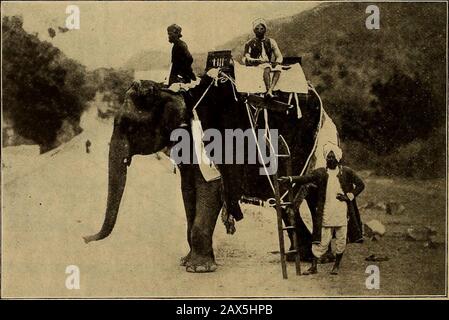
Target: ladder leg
x,y
280,227
293,222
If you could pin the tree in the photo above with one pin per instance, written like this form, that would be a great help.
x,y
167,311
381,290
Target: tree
x,y
41,86
402,111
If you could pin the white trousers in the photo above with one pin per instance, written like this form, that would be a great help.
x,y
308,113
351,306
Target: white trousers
x,y
318,249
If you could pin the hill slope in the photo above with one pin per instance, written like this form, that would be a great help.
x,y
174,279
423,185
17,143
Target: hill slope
x,y
333,37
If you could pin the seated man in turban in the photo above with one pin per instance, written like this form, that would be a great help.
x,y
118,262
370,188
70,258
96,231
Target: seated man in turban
x,y
336,211
181,69
264,52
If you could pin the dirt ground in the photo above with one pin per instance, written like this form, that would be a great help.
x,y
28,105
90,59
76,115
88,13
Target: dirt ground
x,y
48,208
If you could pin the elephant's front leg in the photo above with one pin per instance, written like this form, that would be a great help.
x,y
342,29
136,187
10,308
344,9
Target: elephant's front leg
x,y
188,190
208,205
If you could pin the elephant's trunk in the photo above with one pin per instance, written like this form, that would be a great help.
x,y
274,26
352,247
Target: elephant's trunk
x,y
118,157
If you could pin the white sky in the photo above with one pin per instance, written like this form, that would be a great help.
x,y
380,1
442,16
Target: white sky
x,y
111,32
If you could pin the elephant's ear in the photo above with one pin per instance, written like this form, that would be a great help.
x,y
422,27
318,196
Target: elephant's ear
x,y
135,85
150,92
133,93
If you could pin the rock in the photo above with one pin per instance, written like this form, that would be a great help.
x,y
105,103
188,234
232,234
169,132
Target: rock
x,y
368,205
438,238
375,258
421,233
374,228
380,206
393,208
431,245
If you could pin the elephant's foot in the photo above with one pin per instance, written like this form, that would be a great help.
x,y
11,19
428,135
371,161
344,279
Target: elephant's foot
x,y
208,266
184,260
200,264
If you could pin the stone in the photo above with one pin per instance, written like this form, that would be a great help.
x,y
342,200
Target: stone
x,y
421,233
376,258
374,228
380,206
431,245
367,205
394,207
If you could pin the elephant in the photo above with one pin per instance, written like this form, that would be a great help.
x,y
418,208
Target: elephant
x,y
143,125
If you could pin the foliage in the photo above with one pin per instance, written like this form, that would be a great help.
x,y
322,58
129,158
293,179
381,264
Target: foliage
x,y
41,87
114,82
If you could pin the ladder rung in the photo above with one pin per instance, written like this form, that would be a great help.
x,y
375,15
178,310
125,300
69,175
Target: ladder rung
x,y
283,204
283,156
288,228
286,203
291,251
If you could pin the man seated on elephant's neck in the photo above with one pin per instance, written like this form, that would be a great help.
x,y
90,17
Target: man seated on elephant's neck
x,y
181,59
261,51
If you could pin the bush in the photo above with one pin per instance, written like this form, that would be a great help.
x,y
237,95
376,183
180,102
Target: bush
x,y
418,159
421,158
41,87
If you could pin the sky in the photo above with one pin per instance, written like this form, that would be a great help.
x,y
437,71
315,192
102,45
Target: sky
x,y
111,32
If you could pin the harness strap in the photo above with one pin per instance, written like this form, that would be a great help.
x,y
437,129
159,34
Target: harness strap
x,y
320,123
202,97
258,147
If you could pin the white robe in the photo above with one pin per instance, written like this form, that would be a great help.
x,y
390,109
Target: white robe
x,y
335,211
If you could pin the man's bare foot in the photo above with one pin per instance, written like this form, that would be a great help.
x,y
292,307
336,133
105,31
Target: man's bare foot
x,y
269,95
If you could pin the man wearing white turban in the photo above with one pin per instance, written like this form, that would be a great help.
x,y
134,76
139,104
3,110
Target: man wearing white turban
x,y
336,210
330,147
264,52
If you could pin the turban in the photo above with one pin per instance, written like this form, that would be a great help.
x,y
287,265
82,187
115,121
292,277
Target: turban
x,y
259,21
334,148
174,27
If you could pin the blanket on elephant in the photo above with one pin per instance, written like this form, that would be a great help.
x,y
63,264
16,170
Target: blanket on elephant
x,y
250,79
327,132
207,167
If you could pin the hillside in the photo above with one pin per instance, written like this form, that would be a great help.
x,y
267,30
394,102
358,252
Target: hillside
x,y
333,41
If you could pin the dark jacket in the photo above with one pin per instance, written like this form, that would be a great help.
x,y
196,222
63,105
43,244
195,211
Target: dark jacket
x,y
350,183
254,48
181,70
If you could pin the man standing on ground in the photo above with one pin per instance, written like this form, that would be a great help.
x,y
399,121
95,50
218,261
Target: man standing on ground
x,y
337,188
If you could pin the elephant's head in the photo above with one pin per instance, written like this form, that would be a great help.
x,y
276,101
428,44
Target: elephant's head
x,y
142,126
148,116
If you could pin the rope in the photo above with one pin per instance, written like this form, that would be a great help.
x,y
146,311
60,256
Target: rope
x,y
315,142
258,147
224,78
201,98
298,109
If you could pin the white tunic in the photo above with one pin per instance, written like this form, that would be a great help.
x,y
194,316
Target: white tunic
x,y
335,211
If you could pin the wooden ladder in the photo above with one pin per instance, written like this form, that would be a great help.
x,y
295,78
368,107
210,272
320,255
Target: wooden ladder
x,y
291,216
